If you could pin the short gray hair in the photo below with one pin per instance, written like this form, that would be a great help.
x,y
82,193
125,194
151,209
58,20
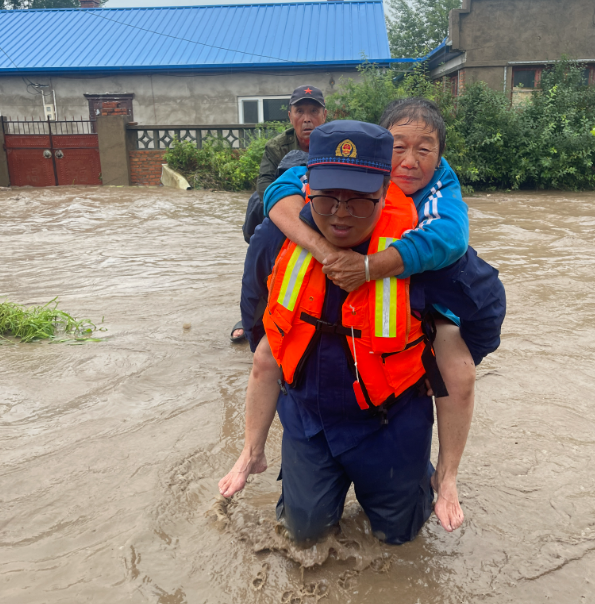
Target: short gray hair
x,y
413,109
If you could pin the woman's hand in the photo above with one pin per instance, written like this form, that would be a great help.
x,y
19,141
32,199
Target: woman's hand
x,y
345,269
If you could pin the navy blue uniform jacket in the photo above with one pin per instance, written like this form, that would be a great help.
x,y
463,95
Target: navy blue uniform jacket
x,y
325,400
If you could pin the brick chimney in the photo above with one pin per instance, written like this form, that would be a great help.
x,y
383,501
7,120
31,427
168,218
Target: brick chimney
x,y
89,3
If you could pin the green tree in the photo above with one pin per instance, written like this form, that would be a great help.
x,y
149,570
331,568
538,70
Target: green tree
x,y
365,99
417,26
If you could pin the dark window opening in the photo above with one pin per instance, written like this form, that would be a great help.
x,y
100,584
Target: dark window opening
x,y
454,84
250,112
275,110
586,76
524,78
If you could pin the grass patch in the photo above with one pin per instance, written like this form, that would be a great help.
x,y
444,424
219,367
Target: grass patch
x,y
33,323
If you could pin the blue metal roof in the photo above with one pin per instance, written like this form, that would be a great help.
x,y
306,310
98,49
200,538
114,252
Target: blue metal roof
x,y
256,36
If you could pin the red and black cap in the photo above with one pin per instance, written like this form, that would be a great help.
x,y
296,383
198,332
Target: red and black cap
x,y
307,92
352,155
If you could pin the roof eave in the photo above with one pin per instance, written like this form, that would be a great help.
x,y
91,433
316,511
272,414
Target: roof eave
x,y
199,68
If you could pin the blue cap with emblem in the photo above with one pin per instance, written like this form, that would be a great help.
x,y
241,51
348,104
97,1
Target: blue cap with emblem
x,y
352,155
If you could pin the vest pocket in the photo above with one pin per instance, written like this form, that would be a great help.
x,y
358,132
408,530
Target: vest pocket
x,y
405,368
281,323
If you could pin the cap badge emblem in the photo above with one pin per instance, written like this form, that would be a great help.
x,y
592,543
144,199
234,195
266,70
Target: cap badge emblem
x,y
346,149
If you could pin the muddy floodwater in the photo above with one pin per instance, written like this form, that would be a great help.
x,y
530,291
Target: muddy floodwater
x,y
110,452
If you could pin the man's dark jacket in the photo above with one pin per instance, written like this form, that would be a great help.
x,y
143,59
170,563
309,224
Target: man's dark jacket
x,y
276,149
255,209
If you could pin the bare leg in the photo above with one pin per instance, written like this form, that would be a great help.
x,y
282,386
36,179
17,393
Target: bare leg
x,y
261,404
454,413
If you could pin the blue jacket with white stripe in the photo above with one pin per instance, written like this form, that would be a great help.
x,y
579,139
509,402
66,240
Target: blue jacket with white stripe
x,y
442,234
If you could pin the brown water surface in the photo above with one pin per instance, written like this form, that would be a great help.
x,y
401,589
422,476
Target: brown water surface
x,y
110,452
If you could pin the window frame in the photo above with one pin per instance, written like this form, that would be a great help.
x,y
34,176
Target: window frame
x,y
454,84
538,69
260,100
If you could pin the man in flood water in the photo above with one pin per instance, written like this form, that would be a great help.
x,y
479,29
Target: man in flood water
x,y
354,405
307,110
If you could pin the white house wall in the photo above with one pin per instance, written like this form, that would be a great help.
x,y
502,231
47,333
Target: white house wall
x,y
161,99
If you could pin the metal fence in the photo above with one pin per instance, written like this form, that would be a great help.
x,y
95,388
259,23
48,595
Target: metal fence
x,y
237,136
46,127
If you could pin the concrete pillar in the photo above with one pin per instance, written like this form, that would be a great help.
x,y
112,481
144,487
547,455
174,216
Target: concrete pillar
x,y
113,149
4,178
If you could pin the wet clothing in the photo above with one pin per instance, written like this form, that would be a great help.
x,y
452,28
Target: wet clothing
x,y
321,413
275,150
254,216
396,496
379,330
442,234
325,399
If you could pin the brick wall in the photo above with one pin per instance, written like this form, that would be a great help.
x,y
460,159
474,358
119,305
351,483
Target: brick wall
x,y
461,81
113,108
145,167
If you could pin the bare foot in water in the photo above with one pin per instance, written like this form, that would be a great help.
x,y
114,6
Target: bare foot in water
x,y
447,507
246,464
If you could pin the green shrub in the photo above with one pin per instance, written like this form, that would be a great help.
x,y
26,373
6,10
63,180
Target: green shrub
x,y
483,137
217,165
558,150
548,142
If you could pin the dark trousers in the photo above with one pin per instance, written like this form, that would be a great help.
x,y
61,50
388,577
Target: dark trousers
x,y
390,471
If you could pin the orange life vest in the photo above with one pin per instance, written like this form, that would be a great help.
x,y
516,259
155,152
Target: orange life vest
x,y
385,341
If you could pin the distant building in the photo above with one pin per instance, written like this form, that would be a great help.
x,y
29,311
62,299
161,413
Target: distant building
x,y
508,43
185,65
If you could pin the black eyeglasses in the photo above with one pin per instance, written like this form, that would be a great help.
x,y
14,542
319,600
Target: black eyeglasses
x,y
358,207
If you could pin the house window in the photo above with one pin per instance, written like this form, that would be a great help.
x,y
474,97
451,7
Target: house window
x,y
255,110
524,81
454,84
250,113
589,75
526,77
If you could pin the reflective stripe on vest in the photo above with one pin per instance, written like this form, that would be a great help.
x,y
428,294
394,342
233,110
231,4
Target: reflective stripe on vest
x,y
294,277
377,311
386,300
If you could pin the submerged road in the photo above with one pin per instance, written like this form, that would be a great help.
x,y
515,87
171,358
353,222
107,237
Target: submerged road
x,y
110,452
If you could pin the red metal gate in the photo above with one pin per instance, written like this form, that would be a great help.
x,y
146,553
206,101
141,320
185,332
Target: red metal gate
x,y
45,154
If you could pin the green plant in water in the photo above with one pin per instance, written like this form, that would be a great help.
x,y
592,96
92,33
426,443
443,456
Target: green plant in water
x,y
43,323
216,165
